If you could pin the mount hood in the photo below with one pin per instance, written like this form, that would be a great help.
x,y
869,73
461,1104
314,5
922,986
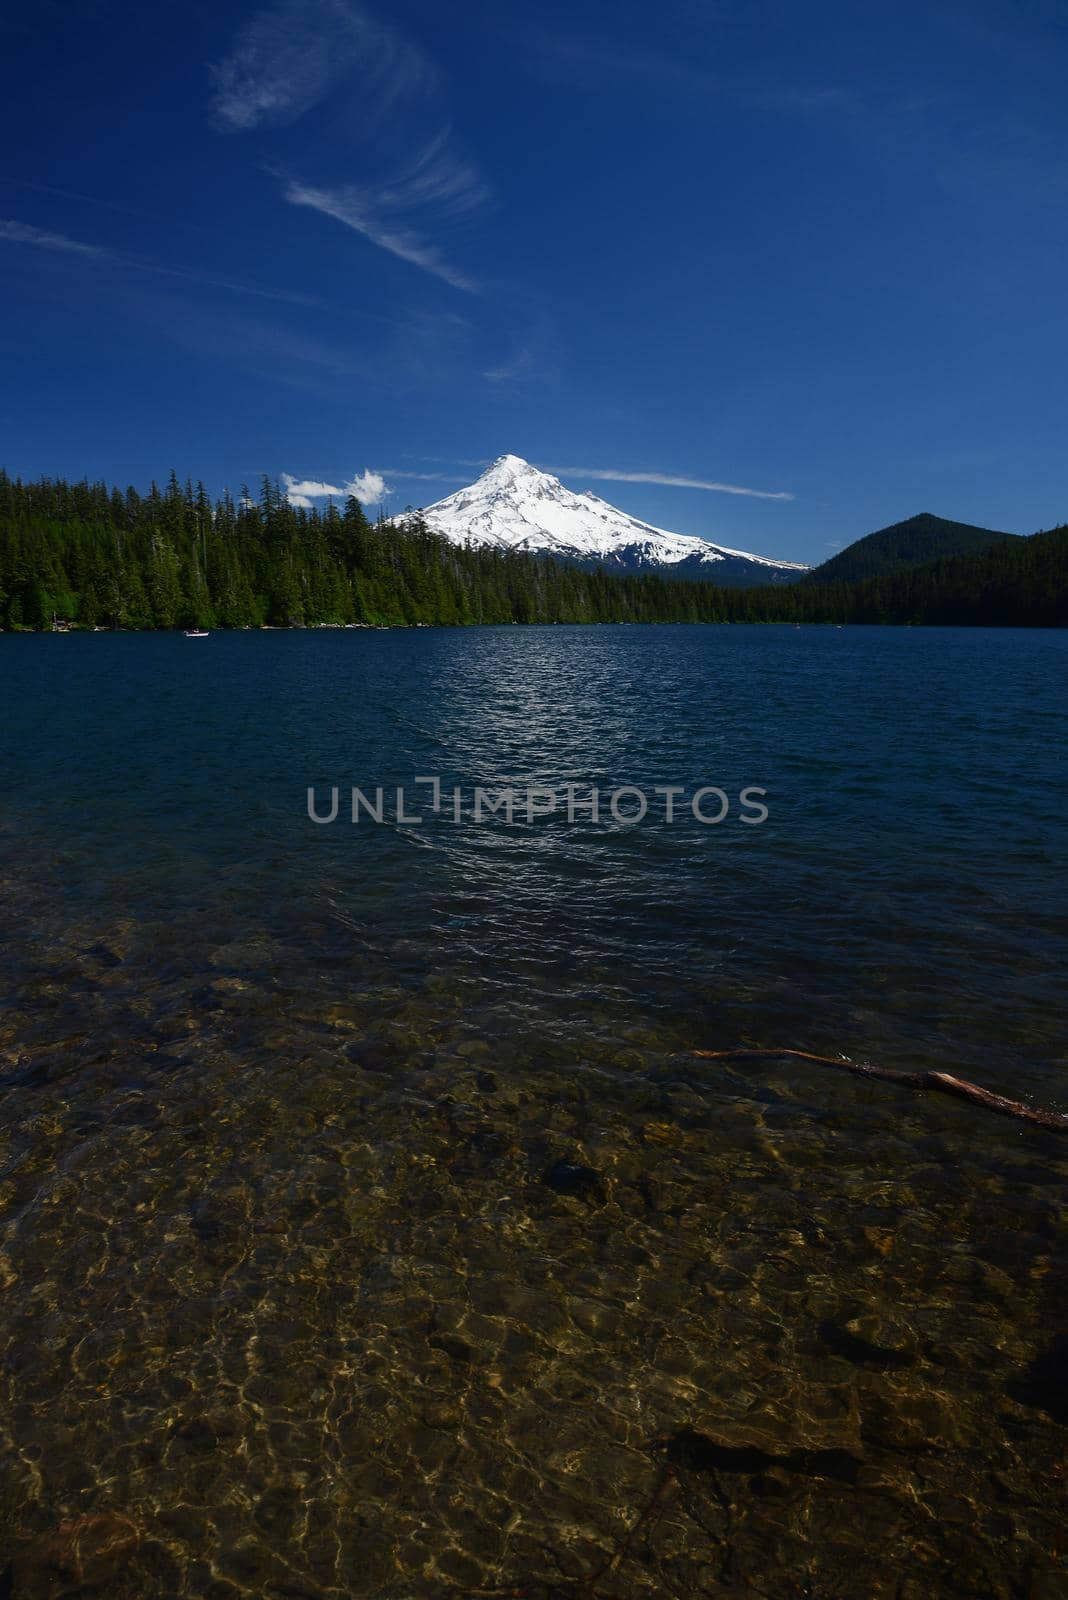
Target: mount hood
x,y
514,506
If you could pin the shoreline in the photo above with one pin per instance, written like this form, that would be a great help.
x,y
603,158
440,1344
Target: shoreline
x,y
620,622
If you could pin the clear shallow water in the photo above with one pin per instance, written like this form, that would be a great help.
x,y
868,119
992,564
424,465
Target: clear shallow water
x,y
367,1227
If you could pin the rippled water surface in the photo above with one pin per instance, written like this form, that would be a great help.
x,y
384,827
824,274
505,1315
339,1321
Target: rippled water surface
x,y
367,1225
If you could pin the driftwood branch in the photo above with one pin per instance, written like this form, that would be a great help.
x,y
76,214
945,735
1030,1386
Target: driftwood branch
x,y
942,1082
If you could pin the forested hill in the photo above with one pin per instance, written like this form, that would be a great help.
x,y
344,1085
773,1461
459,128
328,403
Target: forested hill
x,y
1015,583
95,557
911,543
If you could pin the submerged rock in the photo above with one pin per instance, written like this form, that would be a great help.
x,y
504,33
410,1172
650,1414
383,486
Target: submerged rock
x,y
457,1350
572,1178
104,955
1044,1385
698,1452
82,1553
860,1351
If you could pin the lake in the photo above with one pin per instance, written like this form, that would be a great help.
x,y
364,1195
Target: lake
x,y
369,1227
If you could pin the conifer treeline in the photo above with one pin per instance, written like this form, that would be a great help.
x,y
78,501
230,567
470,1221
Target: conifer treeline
x,y
96,557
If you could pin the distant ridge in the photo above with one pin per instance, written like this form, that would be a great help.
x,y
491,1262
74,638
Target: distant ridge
x,y
912,543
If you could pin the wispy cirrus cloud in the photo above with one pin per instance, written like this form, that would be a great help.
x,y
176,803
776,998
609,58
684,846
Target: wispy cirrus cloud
x,y
185,223
368,487
395,214
425,477
291,297
668,480
671,481
298,54
518,366
293,55
24,233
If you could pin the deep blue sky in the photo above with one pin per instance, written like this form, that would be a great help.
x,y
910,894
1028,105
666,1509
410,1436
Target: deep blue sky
x,y
816,250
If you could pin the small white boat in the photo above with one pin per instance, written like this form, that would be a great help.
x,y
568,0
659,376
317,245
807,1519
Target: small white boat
x,y
196,633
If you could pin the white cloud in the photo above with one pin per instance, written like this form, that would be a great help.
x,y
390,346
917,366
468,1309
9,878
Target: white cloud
x,y
670,480
369,487
304,491
23,233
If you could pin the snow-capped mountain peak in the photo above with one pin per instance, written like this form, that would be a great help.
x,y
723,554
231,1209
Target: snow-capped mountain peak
x,y
515,506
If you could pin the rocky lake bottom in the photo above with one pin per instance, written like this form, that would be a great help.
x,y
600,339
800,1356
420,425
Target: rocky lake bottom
x,y
375,1232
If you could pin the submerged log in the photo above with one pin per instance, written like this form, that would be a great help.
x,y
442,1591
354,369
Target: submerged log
x,y
941,1082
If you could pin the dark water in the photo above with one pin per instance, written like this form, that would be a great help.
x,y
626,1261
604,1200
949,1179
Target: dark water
x,y
367,1227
